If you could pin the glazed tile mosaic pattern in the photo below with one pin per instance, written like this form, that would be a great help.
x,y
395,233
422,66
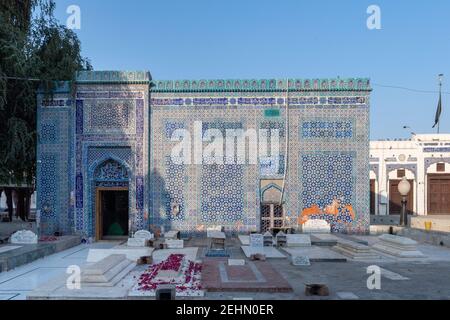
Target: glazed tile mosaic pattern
x,y
116,130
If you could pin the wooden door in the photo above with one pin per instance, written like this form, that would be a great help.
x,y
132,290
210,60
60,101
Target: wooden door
x,y
119,205
395,198
439,194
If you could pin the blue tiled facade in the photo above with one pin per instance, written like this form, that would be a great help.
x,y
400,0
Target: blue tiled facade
x,y
115,129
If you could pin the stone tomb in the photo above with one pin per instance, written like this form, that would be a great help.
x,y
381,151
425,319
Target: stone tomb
x,y
299,260
269,252
174,244
256,246
217,241
173,234
132,253
354,250
24,237
175,269
316,226
107,272
256,240
268,239
220,276
190,253
137,242
236,262
210,231
244,239
397,246
140,238
316,254
171,274
281,239
298,240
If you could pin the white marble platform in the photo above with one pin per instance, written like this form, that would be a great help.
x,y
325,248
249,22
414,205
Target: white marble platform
x,y
174,243
216,234
107,272
137,242
56,289
172,234
269,252
326,237
298,240
400,247
316,226
244,239
315,253
356,251
132,253
189,252
102,266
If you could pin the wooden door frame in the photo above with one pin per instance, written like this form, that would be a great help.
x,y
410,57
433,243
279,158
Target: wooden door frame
x,y
429,177
98,208
410,194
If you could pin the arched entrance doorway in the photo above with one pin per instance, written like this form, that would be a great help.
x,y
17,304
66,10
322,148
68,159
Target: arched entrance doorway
x,y
111,181
395,198
438,186
272,211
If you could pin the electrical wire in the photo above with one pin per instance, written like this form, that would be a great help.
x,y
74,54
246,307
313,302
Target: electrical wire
x,y
407,89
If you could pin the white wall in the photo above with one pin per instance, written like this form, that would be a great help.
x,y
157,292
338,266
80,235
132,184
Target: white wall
x,y
406,153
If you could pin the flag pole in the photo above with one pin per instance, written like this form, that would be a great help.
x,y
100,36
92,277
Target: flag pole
x,y
440,91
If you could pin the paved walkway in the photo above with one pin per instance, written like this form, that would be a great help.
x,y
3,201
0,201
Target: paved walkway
x,y
426,279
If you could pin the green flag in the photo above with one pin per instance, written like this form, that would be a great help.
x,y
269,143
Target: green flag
x,y
438,111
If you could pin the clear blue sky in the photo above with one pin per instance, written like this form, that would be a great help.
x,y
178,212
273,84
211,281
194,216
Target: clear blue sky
x,y
193,39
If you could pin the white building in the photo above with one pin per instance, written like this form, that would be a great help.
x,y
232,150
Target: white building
x,y
425,161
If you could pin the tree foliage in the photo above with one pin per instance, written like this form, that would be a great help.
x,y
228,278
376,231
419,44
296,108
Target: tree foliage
x,y
35,51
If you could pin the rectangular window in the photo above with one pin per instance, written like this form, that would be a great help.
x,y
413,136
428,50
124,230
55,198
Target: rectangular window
x,y
400,173
440,167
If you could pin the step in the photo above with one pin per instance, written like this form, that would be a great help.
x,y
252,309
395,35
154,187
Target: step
x,y
131,265
102,266
108,275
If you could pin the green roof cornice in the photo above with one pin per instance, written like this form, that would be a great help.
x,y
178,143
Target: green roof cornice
x,y
264,85
119,77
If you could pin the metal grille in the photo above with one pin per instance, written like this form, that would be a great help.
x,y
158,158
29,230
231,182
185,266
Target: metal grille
x,y
272,216
278,223
265,225
265,211
277,211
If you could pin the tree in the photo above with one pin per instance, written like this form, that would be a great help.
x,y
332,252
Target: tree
x,y
35,52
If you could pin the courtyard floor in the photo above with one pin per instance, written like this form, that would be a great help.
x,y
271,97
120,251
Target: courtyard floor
x,y
426,279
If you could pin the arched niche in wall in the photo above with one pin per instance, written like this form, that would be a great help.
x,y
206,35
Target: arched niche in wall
x,y
431,165
393,179
271,193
